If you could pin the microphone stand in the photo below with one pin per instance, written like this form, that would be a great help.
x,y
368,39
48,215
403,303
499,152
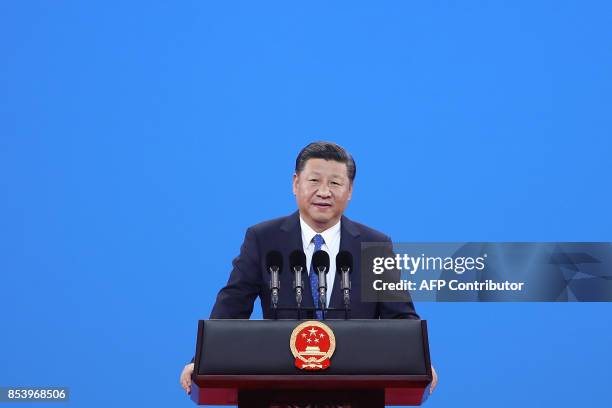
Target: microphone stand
x,y
274,289
346,287
297,285
322,290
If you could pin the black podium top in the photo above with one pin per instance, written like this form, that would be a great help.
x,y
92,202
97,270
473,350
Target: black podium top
x,y
262,347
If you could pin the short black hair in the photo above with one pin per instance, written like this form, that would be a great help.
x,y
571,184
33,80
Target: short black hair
x,y
326,151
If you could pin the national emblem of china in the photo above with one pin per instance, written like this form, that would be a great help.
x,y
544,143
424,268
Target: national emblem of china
x,y
312,344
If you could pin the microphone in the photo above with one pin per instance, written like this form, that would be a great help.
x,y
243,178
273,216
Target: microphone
x,y
274,264
297,263
320,260
344,267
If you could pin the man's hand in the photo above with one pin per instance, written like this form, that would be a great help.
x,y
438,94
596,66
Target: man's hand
x,y
434,380
186,377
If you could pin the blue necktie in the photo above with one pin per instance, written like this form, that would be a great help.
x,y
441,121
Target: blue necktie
x,y
314,276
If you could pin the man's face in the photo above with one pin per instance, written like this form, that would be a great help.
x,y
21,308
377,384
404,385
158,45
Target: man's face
x,y
322,190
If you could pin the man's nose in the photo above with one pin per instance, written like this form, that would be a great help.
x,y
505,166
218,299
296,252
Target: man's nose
x,y
324,191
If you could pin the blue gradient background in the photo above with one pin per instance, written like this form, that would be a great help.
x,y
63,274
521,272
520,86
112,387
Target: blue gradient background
x,y
138,142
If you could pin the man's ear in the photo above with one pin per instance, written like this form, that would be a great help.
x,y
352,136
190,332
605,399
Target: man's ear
x,y
350,195
295,180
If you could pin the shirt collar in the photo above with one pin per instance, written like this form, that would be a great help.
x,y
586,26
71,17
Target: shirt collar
x,y
329,235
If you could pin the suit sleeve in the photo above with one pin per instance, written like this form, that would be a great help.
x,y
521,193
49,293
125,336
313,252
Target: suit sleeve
x,y
403,309
236,299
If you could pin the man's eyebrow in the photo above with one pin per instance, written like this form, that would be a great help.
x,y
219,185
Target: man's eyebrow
x,y
317,174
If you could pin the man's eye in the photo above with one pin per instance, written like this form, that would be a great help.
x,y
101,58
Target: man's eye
x,y
315,180
335,183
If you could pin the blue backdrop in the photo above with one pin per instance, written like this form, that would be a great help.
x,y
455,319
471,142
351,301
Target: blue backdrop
x,y
138,142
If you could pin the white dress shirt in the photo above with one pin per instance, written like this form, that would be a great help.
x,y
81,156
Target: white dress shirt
x,y
331,236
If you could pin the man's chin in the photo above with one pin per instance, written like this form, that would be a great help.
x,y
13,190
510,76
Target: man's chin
x,y
324,221
320,219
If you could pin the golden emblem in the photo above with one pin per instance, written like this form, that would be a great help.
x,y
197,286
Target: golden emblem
x,y
312,344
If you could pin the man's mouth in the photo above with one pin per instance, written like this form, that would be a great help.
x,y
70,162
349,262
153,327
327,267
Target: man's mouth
x,y
322,205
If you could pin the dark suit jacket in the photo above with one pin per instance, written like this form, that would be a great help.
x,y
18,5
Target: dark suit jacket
x,y
250,279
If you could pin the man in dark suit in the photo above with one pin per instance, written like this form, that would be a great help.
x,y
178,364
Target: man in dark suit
x,y
323,186
249,277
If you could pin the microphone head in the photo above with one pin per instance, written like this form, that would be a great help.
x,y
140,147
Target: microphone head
x,y
297,259
274,259
320,259
344,260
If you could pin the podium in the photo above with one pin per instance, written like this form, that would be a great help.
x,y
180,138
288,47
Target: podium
x,y
250,363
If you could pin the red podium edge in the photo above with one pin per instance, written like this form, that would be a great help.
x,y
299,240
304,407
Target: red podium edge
x,y
223,389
